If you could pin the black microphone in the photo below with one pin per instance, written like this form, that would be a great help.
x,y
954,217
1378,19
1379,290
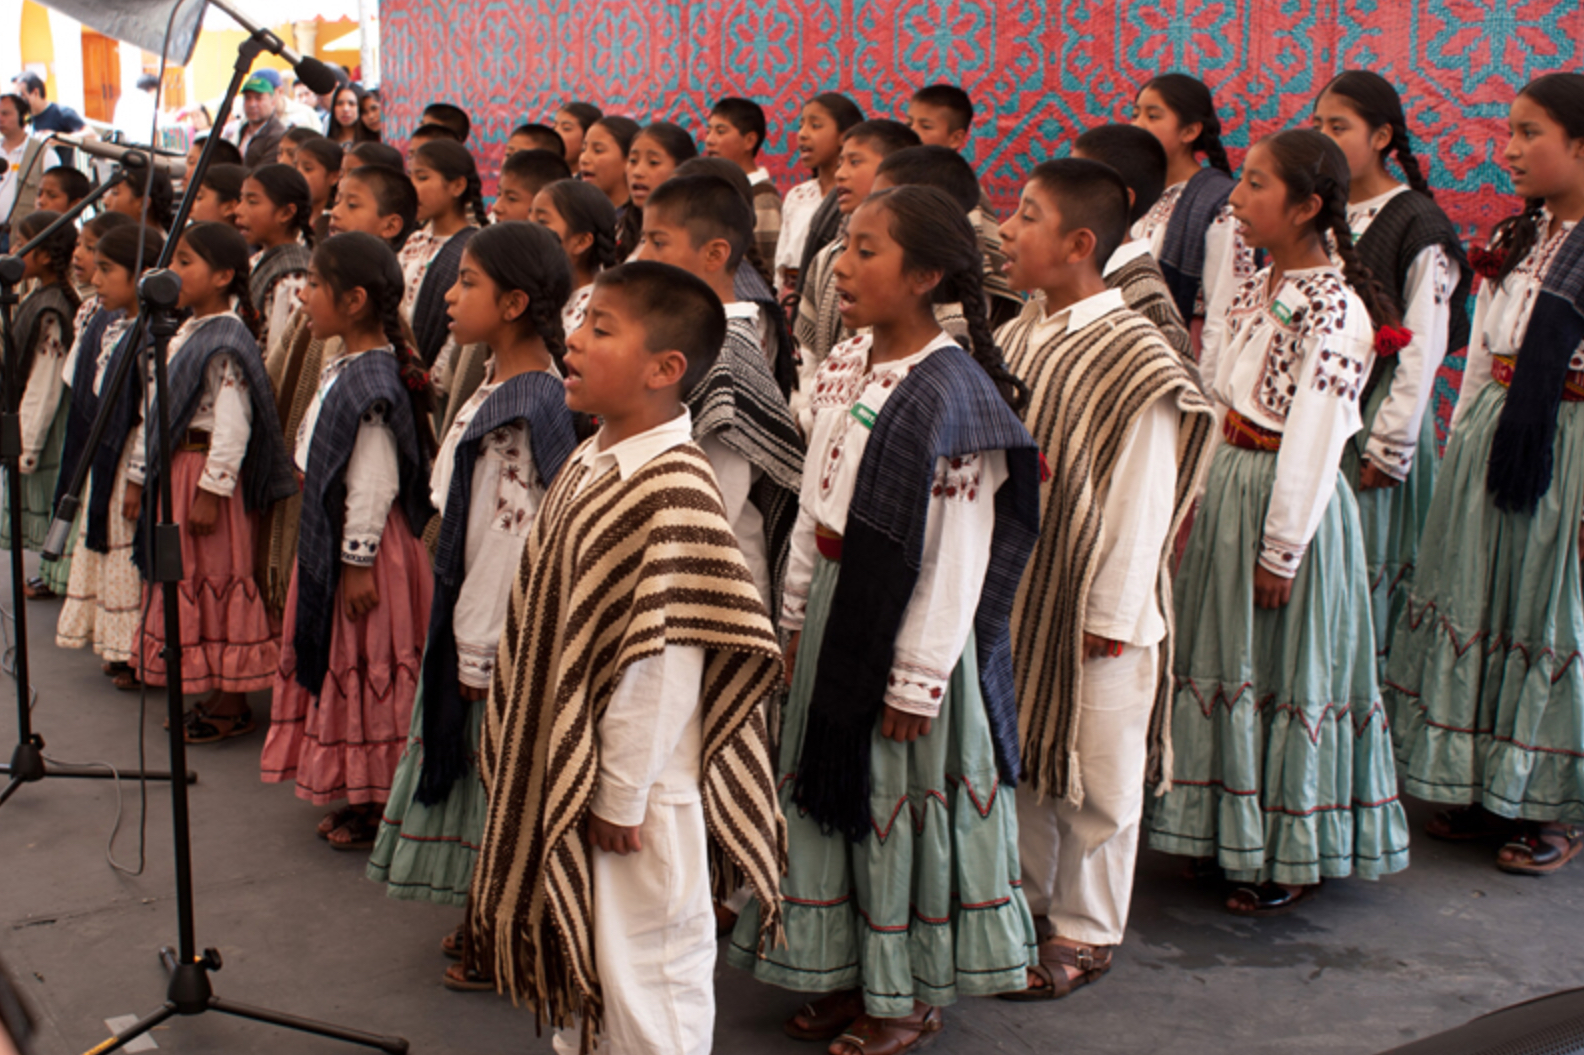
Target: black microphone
x,y
310,71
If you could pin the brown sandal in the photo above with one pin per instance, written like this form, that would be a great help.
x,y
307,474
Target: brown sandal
x,y
36,589
825,1018
1092,962
358,830
460,979
333,820
880,1036
206,727
1542,856
451,944
1268,899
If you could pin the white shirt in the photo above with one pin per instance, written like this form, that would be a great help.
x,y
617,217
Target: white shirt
x,y
797,212
651,737
225,411
417,254
15,160
1294,361
373,472
576,308
1151,227
41,398
1501,314
957,531
1136,509
507,493
1125,254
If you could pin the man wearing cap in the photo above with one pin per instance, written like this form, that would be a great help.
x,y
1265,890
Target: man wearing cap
x,y
259,136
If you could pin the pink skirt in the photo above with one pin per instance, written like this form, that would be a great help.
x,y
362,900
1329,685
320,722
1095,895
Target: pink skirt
x,y
346,742
227,642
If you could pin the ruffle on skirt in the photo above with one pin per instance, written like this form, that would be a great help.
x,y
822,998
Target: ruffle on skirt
x,y
346,742
426,853
104,596
227,642
1283,767
1484,682
930,906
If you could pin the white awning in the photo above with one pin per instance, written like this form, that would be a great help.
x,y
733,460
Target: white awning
x,y
278,11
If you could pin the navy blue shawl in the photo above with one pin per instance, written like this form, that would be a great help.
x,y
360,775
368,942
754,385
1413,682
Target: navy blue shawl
x,y
539,399
1182,258
430,323
84,406
374,378
946,407
106,458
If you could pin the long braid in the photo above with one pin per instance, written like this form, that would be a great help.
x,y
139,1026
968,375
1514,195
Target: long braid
x,y
473,200
629,229
1209,142
240,290
413,375
1516,235
965,287
602,254
545,318
1401,148
756,258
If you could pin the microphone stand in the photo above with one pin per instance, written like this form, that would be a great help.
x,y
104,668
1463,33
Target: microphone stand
x,y
189,991
27,760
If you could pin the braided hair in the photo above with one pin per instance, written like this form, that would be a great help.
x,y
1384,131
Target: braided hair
x,y
935,235
1309,163
1377,104
1561,95
223,248
1190,99
285,188
355,260
586,210
525,256
451,161
57,249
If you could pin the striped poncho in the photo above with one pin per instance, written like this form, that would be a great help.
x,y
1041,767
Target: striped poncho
x,y
1089,388
1144,288
612,573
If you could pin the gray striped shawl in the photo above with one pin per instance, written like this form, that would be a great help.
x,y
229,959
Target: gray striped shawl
x,y
1089,389
1145,290
610,576
288,258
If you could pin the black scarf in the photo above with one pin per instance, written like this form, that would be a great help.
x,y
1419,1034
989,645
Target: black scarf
x,y
430,323
1182,257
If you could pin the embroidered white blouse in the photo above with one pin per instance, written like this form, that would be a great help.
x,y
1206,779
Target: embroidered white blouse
x,y
1294,361
373,472
417,254
41,398
576,308
1501,314
506,497
797,212
225,411
1427,312
957,530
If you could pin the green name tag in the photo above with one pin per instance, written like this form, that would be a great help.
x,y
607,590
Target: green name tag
x,y
865,416
1282,314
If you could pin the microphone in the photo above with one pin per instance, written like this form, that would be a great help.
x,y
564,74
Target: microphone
x,y
310,71
127,157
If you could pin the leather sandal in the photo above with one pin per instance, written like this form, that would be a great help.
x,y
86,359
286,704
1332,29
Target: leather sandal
x,y
333,820
451,944
1463,824
880,1036
1540,855
825,1018
1268,899
206,727
461,979
1092,962
36,589
359,830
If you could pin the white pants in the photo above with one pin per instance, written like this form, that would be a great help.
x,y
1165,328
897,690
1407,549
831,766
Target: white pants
x,y
1078,863
654,940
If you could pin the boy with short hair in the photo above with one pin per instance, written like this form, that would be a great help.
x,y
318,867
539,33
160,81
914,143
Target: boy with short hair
x,y
445,114
523,175
534,136
424,133
1125,430
60,188
610,672
1137,156
736,130
740,419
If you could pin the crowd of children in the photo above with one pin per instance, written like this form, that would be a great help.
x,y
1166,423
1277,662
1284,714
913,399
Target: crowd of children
x,y
647,559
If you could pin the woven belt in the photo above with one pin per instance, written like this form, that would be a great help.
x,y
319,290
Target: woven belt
x,y
195,440
1241,432
828,542
1502,367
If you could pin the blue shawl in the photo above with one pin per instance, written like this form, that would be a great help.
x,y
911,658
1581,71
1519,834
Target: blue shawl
x,y
104,460
539,399
430,323
946,407
84,405
1182,258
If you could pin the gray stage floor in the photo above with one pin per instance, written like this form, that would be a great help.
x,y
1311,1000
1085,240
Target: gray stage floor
x,y
1365,967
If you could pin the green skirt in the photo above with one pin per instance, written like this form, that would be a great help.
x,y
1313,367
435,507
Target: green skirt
x,y
1283,761
38,494
1484,682
1392,518
930,906
426,853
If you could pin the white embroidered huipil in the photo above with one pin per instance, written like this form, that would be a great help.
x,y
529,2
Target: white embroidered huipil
x,y
797,212
576,308
1501,314
283,298
1228,263
1294,361
654,929
1152,225
224,410
957,531
41,398
505,500
373,472
1427,314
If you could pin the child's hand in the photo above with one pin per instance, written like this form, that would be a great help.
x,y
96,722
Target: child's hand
x,y
613,838
1371,478
1095,646
790,661
903,727
132,501
1270,589
362,596
471,693
205,513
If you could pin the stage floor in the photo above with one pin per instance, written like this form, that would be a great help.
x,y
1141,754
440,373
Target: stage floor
x,y
1365,967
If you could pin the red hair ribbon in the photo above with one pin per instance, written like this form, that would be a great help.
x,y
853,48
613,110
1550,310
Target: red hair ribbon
x,y
1486,262
417,380
1389,340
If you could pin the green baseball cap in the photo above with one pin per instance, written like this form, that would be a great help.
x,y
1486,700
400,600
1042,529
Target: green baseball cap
x,y
257,83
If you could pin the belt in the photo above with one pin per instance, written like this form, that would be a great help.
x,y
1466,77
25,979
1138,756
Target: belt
x,y
1502,367
828,542
195,440
1241,432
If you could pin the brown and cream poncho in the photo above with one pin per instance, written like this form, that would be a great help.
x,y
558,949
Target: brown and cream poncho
x,y
1089,388
611,574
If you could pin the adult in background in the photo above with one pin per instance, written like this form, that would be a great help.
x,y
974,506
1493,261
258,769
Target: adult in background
x,y
27,158
47,116
134,111
290,107
259,135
